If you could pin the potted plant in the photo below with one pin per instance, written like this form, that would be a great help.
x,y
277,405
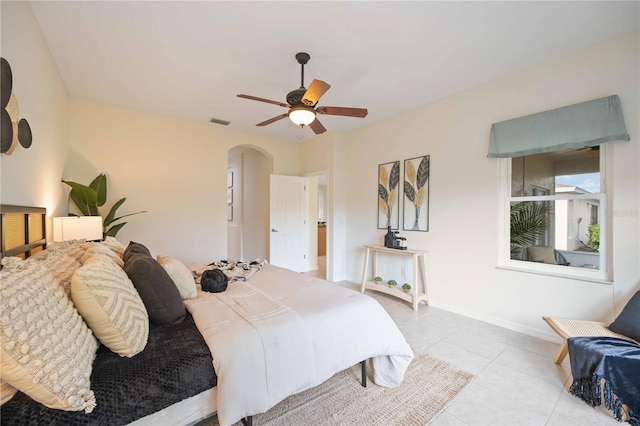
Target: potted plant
x,y
377,280
392,283
406,287
88,198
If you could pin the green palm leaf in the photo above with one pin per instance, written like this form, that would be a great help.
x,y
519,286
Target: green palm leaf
x,y
529,221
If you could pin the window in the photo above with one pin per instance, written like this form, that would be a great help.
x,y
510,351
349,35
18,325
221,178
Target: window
x,y
555,203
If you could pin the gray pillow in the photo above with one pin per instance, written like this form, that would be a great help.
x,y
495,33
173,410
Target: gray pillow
x,y
628,322
134,248
156,289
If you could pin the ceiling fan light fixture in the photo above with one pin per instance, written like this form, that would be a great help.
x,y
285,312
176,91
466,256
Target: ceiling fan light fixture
x,y
302,116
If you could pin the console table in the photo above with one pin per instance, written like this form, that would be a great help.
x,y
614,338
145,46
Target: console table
x,y
419,290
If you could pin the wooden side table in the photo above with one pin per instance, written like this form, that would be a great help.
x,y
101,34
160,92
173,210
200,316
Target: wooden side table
x,y
419,290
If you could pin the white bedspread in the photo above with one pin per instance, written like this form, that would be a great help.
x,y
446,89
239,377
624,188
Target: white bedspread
x,y
283,332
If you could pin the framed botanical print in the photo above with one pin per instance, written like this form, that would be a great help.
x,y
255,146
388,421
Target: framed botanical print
x,y
388,196
416,194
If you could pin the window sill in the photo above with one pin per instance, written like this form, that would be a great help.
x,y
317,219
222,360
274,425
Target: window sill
x,y
549,273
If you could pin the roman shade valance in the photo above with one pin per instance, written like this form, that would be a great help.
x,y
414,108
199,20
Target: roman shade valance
x,y
575,126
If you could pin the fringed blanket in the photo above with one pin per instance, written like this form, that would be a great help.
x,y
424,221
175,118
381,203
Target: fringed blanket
x,y
235,271
607,368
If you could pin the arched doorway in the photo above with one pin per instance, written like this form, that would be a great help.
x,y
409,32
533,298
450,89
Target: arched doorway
x,y
248,171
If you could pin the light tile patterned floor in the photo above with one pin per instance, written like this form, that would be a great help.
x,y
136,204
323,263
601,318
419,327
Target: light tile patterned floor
x,y
516,383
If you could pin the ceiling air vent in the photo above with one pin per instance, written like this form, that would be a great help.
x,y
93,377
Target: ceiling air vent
x,y
218,121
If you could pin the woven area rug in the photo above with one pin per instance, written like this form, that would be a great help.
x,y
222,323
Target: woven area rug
x,y
430,384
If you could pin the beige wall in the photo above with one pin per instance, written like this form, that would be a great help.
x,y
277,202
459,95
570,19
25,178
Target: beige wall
x,y
174,169
32,176
462,240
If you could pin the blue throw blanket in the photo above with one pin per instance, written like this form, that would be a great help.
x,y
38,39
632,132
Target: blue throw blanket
x,y
616,361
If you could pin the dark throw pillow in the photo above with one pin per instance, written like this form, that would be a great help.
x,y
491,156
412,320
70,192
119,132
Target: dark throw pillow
x,y
135,248
628,322
156,289
214,281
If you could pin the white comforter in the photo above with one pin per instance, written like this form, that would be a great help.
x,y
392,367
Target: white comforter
x,y
283,332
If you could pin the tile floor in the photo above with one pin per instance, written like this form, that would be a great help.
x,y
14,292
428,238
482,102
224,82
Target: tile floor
x,y
516,383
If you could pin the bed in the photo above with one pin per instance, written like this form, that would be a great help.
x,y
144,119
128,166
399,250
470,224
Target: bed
x,y
235,353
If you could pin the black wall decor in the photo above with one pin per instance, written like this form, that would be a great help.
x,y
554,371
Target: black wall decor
x,y
14,129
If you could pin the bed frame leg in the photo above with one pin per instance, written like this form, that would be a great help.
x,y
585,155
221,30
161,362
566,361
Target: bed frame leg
x,y
247,421
363,365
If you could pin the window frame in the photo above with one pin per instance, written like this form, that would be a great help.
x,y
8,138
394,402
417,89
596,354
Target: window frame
x,y
602,275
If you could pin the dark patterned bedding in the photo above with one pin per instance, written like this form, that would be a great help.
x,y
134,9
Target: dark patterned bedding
x,y
176,364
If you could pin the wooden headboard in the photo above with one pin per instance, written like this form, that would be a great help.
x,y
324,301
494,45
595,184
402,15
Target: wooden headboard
x,y
23,230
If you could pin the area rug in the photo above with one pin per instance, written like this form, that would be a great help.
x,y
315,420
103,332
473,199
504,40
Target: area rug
x,y
430,384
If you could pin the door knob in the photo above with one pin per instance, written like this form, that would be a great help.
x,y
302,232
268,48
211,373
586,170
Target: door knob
x,y
274,230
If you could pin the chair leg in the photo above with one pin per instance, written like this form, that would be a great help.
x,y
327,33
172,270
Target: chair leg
x,y
562,353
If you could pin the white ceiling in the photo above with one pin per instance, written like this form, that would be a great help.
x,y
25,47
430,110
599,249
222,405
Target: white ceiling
x,y
190,59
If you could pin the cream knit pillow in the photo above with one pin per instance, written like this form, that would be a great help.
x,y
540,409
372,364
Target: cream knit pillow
x,y
99,248
114,245
46,350
60,264
181,276
109,303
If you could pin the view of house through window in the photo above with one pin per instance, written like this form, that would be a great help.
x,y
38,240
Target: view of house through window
x,y
556,205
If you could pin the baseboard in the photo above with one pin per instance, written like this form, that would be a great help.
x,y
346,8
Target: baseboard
x,y
549,336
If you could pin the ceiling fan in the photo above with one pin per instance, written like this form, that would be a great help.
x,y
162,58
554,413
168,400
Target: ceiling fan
x,y
302,103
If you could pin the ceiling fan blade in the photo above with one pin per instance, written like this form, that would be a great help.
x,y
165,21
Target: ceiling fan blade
x,y
273,120
349,112
314,92
269,101
317,127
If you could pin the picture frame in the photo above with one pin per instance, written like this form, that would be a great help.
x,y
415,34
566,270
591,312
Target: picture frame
x,y
229,179
229,195
388,195
415,206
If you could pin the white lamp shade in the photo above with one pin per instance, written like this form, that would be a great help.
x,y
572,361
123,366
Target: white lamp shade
x,y
302,116
77,228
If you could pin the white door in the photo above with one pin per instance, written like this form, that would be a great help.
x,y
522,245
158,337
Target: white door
x,y
288,223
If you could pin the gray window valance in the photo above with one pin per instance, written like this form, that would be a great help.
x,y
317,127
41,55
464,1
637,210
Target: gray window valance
x,y
574,126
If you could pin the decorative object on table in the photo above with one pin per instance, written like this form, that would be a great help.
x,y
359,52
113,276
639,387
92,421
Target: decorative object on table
x,y
392,283
388,199
88,198
14,129
406,287
377,280
416,194
392,240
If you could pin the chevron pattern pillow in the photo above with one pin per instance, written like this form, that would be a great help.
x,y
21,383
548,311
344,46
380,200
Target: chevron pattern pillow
x,y
109,303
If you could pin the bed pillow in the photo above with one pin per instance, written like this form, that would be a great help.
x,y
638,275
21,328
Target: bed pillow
x,y
46,350
156,288
135,248
542,254
6,391
99,249
105,297
60,264
114,245
181,276
73,248
628,322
